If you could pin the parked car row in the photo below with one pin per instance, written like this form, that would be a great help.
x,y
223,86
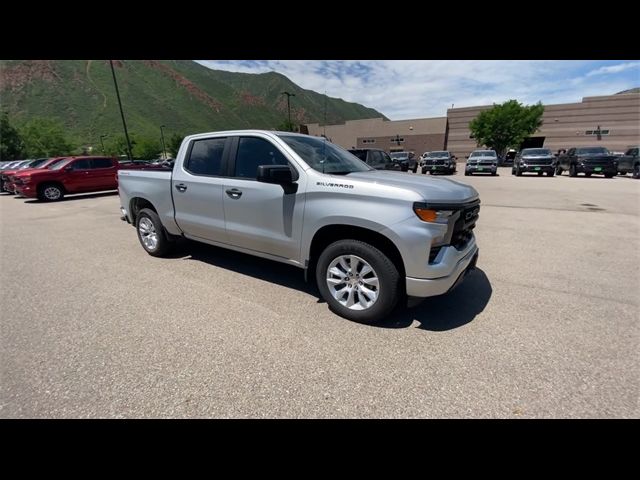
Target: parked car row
x,y
587,160
50,179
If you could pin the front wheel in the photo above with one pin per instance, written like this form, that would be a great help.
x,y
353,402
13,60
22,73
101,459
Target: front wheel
x,y
609,175
558,171
50,192
550,173
636,171
358,281
151,233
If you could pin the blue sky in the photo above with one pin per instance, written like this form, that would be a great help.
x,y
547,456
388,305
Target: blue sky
x,y
403,89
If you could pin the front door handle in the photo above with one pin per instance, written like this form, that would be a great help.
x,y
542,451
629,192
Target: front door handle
x,y
181,187
234,193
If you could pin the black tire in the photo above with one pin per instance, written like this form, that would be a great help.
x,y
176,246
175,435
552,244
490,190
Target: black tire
x,y
415,169
573,171
513,172
518,172
390,286
609,175
50,192
163,245
558,171
550,173
540,174
622,174
587,174
466,174
636,171
424,171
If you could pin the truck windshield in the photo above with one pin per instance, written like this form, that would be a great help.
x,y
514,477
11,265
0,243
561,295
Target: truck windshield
x,y
592,151
59,164
484,153
536,151
324,156
438,155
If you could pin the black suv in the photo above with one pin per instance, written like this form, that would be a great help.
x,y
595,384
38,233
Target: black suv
x,y
376,158
406,161
535,160
629,163
439,162
588,160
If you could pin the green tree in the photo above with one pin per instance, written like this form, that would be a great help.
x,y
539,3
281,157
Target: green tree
x,y
173,145
147,148
117,146
287,126
44,137
506,125
11,144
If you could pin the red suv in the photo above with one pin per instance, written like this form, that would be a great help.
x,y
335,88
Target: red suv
x,y
73,175
8,176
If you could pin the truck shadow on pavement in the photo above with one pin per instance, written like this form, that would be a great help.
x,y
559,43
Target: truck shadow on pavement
x,y
449,311
445,312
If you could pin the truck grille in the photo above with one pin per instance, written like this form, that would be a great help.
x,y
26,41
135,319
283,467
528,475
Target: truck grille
x,y
487,162
539,161
463,228
597,162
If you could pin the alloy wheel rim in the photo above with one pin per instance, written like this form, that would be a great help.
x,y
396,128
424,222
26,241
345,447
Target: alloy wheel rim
x,y
353,282
148,233
52,193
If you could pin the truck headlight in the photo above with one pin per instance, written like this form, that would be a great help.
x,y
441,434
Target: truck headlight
x,y
432,215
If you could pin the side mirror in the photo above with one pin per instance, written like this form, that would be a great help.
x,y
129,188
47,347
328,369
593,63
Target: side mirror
x,y
278,174
68,169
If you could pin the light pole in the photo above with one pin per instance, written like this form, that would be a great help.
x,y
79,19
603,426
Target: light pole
x,y
124,124
164,149
289,95
104,152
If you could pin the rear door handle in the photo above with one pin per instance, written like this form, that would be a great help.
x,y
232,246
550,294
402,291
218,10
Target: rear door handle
x,y
234,193
181,187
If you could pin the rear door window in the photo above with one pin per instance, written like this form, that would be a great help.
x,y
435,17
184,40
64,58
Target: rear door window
x,y
205,157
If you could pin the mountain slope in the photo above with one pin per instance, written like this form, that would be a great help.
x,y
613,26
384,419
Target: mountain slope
x,y
183,95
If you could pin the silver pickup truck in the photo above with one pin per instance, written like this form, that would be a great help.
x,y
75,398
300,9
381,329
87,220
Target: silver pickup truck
x,y
370,238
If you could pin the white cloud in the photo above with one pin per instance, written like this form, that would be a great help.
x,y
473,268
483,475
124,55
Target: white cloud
x,y
621,67
403,89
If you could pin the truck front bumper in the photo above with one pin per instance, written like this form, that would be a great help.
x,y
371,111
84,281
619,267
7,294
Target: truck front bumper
x,y
438,169
537,168
424,287
481,169
26,191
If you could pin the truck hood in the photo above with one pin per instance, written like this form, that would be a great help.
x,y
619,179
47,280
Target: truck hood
x,y
430,189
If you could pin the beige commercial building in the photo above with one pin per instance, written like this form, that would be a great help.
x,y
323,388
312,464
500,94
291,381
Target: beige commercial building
x,y
612,121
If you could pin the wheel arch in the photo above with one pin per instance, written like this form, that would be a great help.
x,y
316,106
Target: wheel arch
x,y
328,234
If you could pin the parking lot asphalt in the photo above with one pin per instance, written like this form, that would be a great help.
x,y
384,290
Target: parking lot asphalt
x,y
547,326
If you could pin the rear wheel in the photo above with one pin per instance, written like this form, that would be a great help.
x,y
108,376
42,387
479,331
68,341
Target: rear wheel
x,y
558,171
50,192
636,171
550,173
587,174
609,175
151,233
518,172
358,281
